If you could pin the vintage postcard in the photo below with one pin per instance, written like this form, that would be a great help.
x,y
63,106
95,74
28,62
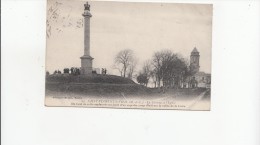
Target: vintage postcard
x,y
128,55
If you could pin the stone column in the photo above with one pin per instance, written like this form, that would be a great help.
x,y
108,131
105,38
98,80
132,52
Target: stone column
x,y
86,59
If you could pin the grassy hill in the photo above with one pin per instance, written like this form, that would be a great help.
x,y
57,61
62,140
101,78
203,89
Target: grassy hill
x,y
104,79
108,85
101,85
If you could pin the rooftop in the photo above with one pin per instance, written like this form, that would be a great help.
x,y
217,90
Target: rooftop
x,y
195,50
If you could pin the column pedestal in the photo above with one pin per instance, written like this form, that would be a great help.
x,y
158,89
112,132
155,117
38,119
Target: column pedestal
x,y
86,65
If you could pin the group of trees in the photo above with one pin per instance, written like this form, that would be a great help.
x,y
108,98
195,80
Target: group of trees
x,y
164,67
170,68
146,73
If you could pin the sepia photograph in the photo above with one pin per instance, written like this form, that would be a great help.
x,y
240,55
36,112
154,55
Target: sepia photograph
x,y
138,55
128,72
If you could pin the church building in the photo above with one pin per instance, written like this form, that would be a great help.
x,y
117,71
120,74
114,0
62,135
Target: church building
x,y
197,79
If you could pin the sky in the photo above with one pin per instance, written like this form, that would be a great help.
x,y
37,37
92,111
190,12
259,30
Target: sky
x,y
143,27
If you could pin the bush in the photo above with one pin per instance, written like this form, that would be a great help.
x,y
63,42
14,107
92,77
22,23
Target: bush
x,y
142,79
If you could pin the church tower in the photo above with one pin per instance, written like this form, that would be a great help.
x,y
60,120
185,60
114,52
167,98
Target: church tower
x,y
86,59
194,61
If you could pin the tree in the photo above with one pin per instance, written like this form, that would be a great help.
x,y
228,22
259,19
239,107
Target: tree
x,y
170,68
124,61
142,79
146,72
157,66
147,68
157,62
131,69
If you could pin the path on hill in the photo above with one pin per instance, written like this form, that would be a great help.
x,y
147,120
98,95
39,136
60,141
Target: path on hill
x,y
199,103
196,103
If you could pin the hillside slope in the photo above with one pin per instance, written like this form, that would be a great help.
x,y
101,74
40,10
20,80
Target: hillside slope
x,y
104,79
94,85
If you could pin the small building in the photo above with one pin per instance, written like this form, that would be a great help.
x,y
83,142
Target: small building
x,y
203,79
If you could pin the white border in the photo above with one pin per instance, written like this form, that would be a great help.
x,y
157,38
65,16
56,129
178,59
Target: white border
x,y
234,118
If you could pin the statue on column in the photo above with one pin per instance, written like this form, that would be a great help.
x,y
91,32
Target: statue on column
x,y
87,6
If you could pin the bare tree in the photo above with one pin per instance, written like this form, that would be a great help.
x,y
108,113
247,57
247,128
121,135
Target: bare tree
x,y
157,61
123,61
170,68
147,68
157,66
132,67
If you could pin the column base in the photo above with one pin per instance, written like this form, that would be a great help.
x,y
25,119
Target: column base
x,y
86,65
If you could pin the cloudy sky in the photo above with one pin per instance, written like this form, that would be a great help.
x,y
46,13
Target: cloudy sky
x,y
143,27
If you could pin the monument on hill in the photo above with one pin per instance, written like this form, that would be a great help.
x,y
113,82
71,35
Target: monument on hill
x,y
86,59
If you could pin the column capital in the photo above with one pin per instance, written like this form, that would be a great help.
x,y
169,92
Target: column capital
x,y
86,14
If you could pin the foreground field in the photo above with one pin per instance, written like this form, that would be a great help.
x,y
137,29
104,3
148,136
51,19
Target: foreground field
x,y
64,90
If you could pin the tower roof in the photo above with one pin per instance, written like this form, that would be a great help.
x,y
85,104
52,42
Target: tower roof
x,y
195,50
